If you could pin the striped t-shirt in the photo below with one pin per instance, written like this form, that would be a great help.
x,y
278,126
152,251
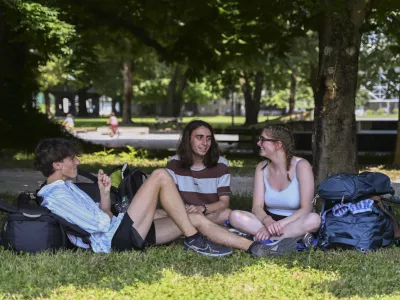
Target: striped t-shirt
x,y
201,186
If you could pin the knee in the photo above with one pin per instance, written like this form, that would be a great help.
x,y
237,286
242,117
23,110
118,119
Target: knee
x,y
236,217
225,213
161,175
313,222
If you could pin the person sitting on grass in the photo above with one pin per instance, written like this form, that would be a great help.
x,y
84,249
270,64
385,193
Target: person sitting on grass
x,y
285,184
200,173
135,229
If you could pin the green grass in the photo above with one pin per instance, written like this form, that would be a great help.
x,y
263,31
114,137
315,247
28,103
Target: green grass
x,y
216,121
168,272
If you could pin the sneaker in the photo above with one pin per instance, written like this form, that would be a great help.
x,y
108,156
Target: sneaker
x,y
307,242
242,234
200,244
265,248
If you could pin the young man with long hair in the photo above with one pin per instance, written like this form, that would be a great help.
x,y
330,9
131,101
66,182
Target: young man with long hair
x,y
200,173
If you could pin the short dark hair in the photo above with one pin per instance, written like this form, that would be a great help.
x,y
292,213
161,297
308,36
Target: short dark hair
x,y
53,150
184,149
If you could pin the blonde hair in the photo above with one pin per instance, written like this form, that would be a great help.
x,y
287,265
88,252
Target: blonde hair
x,y
285,136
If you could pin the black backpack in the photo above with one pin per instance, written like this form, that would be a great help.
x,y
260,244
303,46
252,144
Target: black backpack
x,y
122,196
369,229
33,228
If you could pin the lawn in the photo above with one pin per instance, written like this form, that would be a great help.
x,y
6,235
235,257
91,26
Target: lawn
x,y
168,272
216,121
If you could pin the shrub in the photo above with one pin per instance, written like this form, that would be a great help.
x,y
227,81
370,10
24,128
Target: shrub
x,y
381,111
369,112
395,111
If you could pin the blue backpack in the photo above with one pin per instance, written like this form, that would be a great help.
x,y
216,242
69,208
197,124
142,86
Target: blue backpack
x,y
358,226
341,188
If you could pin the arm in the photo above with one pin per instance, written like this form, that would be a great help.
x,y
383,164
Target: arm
x,y
104,183
61,202
258,196
306,189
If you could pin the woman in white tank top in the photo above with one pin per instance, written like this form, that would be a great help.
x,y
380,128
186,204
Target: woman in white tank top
x,y
285,185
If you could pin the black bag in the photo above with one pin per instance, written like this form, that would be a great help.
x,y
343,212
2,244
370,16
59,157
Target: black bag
x,y
363,231
33,228
121,197
92,189
344,187
131,181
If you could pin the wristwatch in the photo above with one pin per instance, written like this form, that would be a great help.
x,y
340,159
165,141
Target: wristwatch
x,y
205,209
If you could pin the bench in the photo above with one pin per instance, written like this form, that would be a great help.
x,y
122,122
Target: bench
x,y
124,130
168,121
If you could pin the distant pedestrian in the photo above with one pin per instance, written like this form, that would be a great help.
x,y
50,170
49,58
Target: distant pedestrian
x,y
68,123
113,121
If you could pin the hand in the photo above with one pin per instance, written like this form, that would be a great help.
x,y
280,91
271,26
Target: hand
x,y
275,229
195,209
262,234
104,182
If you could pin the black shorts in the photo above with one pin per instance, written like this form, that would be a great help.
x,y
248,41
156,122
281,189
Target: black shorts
x,y
275,217
127,238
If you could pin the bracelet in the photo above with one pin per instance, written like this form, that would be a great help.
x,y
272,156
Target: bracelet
x,y
205,209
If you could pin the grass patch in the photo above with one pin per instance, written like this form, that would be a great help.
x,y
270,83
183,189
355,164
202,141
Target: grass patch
x,y
168,272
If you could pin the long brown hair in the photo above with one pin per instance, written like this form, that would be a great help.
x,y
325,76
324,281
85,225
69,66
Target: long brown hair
x,y
285,136
184,149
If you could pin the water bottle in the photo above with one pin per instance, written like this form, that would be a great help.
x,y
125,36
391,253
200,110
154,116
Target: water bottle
x,y
123,205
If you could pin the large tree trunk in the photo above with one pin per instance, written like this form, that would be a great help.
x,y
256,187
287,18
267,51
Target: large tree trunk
x,y
252,98
82,97
176,87
396,161
292,96
334,136
128,93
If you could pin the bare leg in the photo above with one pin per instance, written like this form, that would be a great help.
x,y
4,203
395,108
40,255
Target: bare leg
x,y
245,221
143,206
299,227
160,213
219,216
167,230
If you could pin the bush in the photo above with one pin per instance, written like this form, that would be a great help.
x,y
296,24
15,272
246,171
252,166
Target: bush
x,y
369,112
395,111
381,111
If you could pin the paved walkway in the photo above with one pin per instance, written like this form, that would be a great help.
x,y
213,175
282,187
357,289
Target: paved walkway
x,y
14,181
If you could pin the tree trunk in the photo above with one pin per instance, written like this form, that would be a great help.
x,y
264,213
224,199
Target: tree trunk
x,y
176,87
171,92
396,162
47,104
252,98
292,97
334,134
82,97
179,96
128,93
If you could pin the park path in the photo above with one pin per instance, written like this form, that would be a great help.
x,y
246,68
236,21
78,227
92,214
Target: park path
x,y
14,181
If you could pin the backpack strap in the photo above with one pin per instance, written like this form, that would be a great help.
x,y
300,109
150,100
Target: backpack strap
x,y
392,218
87,175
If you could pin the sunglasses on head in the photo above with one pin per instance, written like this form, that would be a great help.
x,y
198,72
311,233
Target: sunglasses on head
x,y
263,139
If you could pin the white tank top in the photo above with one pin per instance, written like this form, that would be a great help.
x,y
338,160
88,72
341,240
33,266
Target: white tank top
x,y
285,202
